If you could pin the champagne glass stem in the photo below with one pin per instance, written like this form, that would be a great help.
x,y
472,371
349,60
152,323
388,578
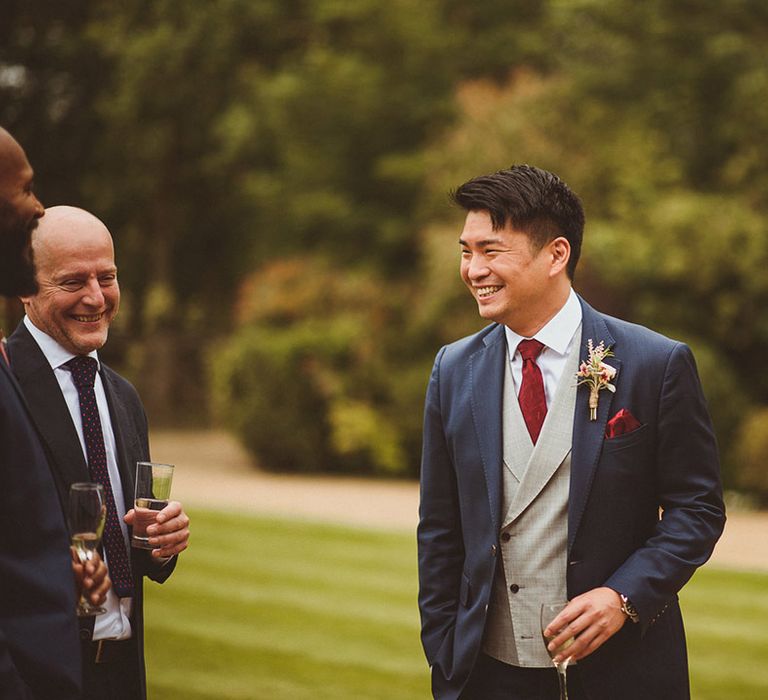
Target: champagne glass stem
x,y
561,668
549,612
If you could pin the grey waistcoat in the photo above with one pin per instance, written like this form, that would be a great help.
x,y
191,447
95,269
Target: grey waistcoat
x,y
535,502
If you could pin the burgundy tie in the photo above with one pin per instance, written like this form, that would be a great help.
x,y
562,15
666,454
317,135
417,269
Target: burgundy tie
x,y
83,371
533,401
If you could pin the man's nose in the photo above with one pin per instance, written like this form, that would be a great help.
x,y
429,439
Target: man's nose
x,y
477,268
93,294
39,210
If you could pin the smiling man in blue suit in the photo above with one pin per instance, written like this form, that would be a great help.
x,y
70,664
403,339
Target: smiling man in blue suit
x,y
534,490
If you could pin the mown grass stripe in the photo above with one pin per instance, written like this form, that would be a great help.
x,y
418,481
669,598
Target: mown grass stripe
x,y
269,609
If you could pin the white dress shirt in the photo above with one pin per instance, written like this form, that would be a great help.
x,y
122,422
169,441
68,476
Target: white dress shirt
x,y
115,623
558,335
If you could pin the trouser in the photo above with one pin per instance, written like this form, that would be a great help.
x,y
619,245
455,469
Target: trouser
x,y
111,670
494,680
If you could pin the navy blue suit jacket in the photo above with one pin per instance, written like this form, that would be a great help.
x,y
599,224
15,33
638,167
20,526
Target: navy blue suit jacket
x,y
39,650
618,486
62,445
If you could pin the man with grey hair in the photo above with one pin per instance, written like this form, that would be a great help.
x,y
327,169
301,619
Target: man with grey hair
x,y
94,428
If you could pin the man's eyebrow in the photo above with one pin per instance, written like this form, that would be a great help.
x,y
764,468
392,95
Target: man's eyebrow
x,y
482,244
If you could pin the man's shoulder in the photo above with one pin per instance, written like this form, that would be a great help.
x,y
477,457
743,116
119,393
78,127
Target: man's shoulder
x,y
645,351
8,388
633,336
633,332
19,342
470,344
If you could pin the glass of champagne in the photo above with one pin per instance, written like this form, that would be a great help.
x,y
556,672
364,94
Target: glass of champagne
x,y
86,515
549,611
153,489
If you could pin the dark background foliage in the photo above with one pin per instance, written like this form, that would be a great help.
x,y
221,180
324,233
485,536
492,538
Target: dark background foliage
x,y
275,176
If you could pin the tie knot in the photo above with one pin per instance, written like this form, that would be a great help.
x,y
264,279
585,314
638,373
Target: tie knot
x,y
83,369
530,349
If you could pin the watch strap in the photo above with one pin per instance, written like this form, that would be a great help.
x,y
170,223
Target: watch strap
x,y
628,609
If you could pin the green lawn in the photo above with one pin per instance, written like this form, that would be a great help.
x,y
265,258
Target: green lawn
x,y
272,610
726,617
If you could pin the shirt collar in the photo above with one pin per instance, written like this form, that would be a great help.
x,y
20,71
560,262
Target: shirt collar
x,y
558,333
54,353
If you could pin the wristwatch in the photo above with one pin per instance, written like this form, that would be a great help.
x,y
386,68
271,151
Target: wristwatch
x,y
628,609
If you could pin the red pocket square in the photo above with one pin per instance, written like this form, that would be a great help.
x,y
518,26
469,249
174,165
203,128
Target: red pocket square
x,y
623,422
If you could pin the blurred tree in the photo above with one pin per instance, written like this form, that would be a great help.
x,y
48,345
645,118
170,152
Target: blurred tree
x,y
322,374
49,70
217,139
629,117
690,70
750,452
236,132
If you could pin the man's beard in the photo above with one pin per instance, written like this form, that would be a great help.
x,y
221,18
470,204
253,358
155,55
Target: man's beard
x,y
17,269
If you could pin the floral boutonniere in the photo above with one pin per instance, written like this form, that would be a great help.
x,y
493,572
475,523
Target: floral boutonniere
x,y
595,373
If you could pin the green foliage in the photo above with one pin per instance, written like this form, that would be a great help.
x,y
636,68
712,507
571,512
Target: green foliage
x,y
275,610
311,381
750,451
268,392
217,139
636,114
49,71
691,266
223,133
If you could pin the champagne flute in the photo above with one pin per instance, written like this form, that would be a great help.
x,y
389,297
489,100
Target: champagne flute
x,y
86,514
549,611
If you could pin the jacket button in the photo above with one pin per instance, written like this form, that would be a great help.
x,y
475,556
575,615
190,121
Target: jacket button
x,y
505,537
85,635
514,588
493,550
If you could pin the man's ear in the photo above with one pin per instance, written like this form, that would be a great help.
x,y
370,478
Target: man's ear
x,y
560,250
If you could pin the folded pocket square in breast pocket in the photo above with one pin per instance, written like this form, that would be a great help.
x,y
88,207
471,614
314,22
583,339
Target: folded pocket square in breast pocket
x,y
621,424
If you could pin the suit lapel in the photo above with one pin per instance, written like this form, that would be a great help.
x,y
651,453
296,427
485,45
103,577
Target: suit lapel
x,y
517,444
588,435
553,444
48,410
486,370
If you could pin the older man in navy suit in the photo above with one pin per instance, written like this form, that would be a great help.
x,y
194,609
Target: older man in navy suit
x,y
568,456
56,343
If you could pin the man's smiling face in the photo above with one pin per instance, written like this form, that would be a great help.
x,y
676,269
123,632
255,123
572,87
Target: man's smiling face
x,y
508,277
79,294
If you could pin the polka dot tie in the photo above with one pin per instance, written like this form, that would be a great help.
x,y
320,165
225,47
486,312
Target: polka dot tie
x,y
533,401
83,371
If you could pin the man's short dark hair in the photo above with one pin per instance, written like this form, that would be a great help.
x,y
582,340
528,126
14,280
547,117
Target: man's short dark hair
x,y
533,201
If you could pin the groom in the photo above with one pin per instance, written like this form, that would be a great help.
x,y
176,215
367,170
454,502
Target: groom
x,y
528,497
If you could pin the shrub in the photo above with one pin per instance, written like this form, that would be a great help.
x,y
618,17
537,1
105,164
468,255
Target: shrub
x,y
320,376
750,450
